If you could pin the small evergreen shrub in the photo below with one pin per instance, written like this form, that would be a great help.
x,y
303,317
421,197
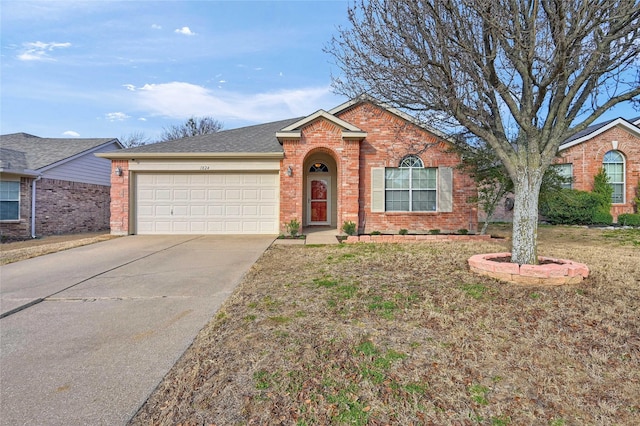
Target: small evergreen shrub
x,y
403,232
349,227
463,231
293,227
434,231
376,233
629,219
570,207
601,218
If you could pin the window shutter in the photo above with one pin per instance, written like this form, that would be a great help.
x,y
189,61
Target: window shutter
x,y
445,189
377,189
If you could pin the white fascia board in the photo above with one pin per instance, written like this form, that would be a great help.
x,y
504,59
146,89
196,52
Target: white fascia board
x,y
354,135
296,134
20,172
617,122
186,155
80,154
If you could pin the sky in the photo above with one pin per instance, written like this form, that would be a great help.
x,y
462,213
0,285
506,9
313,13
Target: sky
x,y
117,68
114,68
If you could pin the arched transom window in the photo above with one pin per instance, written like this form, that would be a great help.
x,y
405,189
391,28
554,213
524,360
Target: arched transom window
x,y
613,164
410,187
318,168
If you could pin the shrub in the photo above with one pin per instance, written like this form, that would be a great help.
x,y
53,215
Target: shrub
x,y
349,227
376,232
403,232
463,231
293,227
601,218
629,219
434,231
570,207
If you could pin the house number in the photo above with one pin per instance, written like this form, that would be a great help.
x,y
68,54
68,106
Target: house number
x,y
204,167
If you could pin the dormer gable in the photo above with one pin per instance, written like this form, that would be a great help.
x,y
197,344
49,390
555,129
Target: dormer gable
x,y
294,131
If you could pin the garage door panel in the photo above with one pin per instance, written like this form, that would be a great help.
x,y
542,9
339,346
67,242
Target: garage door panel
x,y
207,203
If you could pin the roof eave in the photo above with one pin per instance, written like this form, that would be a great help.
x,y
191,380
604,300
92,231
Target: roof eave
x,y
20,172
617,122
189,155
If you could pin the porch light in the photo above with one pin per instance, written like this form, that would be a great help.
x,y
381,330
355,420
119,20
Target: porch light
x,y
118,171
289,171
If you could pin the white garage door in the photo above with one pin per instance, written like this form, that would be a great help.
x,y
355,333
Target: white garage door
x,y
207,203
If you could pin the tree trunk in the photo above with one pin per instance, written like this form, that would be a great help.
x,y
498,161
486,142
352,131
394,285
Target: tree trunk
x,y
524,240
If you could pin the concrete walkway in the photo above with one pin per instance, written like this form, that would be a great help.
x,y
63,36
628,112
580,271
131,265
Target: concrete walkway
x,y
112,318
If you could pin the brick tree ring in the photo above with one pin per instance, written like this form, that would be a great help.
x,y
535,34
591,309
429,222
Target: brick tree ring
x,y
549,272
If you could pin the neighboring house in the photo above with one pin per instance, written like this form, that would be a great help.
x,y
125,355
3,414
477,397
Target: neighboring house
x,y
53,186
360,162
613,145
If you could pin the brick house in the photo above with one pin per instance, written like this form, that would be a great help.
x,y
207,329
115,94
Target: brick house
x,y
53,186
613,145
360,162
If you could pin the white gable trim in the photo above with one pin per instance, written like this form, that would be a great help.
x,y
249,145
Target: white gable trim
x,y
632,128
81,154
294,131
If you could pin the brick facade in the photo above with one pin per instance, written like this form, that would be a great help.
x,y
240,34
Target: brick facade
x,y
62,207
587,158
389,139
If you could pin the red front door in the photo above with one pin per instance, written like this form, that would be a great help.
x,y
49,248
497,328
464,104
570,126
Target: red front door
x,y
319,201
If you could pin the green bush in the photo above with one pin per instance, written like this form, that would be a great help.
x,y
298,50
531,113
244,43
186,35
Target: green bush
x,y
629,219
602,218
403,232
349,227
293,227
434,231
570,207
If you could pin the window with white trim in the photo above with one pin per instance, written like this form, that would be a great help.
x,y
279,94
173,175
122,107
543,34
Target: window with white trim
x,y
613,164
410,187
565,171
9,200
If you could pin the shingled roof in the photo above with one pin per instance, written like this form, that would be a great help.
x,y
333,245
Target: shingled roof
x,y
260,138
33,152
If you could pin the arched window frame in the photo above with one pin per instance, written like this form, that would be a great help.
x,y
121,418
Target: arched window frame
x,y
410,186
318,168
615,168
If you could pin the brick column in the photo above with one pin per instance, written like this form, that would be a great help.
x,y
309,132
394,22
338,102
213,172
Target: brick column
x,y
119,220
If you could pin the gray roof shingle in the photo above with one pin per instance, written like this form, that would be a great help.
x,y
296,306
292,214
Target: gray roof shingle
x,y
41,152
595,127
260,138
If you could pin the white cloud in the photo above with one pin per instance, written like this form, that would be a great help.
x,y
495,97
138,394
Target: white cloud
x,y
156,26
39,51
71,133
142,119
185,31
116,116
129,87
181,100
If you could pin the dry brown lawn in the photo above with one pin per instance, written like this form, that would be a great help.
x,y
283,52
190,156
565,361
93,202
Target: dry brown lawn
x,y
22,250
404,334
371,334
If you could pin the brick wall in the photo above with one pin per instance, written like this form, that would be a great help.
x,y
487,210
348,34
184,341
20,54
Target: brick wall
x,y
62,207
389,139
587,159
119,220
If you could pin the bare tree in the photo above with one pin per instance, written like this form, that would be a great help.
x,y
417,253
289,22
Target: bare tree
x,y
523,75
134,139
192,127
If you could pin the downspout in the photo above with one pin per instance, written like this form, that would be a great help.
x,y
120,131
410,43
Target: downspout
x,y
33,206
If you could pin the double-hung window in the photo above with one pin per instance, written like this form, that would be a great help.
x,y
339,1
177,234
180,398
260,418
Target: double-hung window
x,y
410,187
565,171
9,200
613,164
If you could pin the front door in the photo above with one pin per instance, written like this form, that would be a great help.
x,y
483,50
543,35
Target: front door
x,y
318,189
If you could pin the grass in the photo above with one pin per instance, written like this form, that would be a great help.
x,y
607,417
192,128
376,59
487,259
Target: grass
x,y
373,334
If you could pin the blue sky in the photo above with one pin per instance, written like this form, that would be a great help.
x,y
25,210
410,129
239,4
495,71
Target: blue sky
x,y
108,69
114,68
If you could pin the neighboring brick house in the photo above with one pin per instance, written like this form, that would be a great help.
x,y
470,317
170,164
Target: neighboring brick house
x,y
360,162
613,145
53,186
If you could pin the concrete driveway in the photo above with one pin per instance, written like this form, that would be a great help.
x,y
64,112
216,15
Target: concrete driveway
x,y
113,319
